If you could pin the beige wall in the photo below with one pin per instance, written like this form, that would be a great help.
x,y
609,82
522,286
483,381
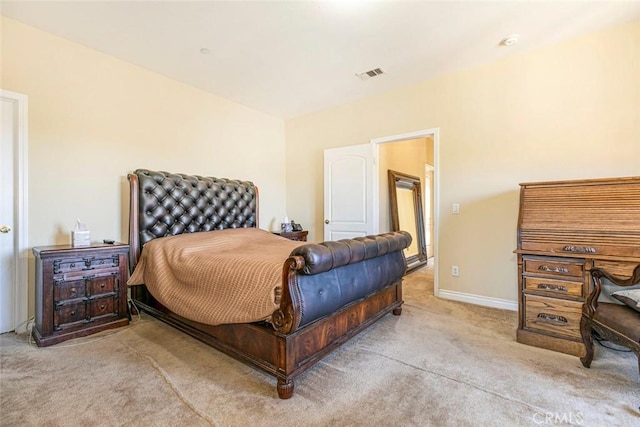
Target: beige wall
x,y
93,119
565,111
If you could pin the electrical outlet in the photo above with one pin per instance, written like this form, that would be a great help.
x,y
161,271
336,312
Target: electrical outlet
x,y
455,271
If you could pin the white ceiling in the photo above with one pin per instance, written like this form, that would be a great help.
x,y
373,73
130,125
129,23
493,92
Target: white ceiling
x,y
296,57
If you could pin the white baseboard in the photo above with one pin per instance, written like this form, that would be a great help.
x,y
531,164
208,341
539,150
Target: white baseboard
x,y
478,300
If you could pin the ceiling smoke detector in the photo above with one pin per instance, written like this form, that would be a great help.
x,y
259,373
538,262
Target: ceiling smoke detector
x,y
366,75
509,41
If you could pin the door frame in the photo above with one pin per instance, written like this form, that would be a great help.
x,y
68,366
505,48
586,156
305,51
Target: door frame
x,y
435,133
21,249
429,171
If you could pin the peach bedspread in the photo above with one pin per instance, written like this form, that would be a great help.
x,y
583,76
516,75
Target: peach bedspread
x,y
216,277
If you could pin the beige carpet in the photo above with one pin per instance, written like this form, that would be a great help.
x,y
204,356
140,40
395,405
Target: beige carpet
x,y
441,363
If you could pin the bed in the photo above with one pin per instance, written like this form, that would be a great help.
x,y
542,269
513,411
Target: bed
x,y
325,293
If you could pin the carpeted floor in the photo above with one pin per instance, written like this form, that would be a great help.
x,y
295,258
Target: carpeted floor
x,y
441,363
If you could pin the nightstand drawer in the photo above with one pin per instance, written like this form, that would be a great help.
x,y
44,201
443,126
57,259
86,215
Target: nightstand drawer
x,y
65,290
68,314
85,286
552,315
102,307
102,284
77,264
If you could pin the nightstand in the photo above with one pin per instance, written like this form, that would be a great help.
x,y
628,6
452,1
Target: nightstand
x,y
295,235
79,291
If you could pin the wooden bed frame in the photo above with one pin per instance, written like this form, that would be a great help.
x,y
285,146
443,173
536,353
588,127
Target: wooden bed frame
x,y
282,349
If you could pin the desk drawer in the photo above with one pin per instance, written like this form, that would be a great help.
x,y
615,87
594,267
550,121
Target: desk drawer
x,y
558,317
553,287
617,268
554,267
627,248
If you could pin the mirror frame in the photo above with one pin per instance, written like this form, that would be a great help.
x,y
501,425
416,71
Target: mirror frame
x,y
410,182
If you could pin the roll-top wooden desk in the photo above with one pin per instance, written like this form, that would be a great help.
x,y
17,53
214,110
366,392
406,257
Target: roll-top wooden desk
x,y
565,228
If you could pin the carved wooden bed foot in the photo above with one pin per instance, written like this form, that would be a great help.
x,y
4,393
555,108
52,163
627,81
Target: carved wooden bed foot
x,y
285,388
397,311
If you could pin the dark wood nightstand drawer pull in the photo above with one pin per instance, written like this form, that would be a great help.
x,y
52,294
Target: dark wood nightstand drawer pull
x,y
552,318
553,269
548,287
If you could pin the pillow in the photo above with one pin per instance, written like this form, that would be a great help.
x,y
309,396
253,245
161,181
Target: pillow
x,y
631,297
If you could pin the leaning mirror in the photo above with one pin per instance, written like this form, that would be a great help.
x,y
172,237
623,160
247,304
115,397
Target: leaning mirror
x,y
405,201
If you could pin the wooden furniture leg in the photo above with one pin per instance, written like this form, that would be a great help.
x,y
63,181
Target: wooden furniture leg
x,y
585,331
285,388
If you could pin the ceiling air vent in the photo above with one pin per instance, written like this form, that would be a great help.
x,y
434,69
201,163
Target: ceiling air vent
x,y
366,75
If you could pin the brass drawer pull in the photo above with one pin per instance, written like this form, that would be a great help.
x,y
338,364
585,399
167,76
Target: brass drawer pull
x,y
548,287
580,249
552,318
554,269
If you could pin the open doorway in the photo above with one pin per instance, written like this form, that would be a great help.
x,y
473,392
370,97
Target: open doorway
x,y
421,150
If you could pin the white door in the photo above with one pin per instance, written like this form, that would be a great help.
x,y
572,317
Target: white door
x,y
348,193
7,226
13,212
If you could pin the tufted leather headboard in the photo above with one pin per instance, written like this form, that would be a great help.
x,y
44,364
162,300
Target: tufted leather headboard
x,y
166,204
